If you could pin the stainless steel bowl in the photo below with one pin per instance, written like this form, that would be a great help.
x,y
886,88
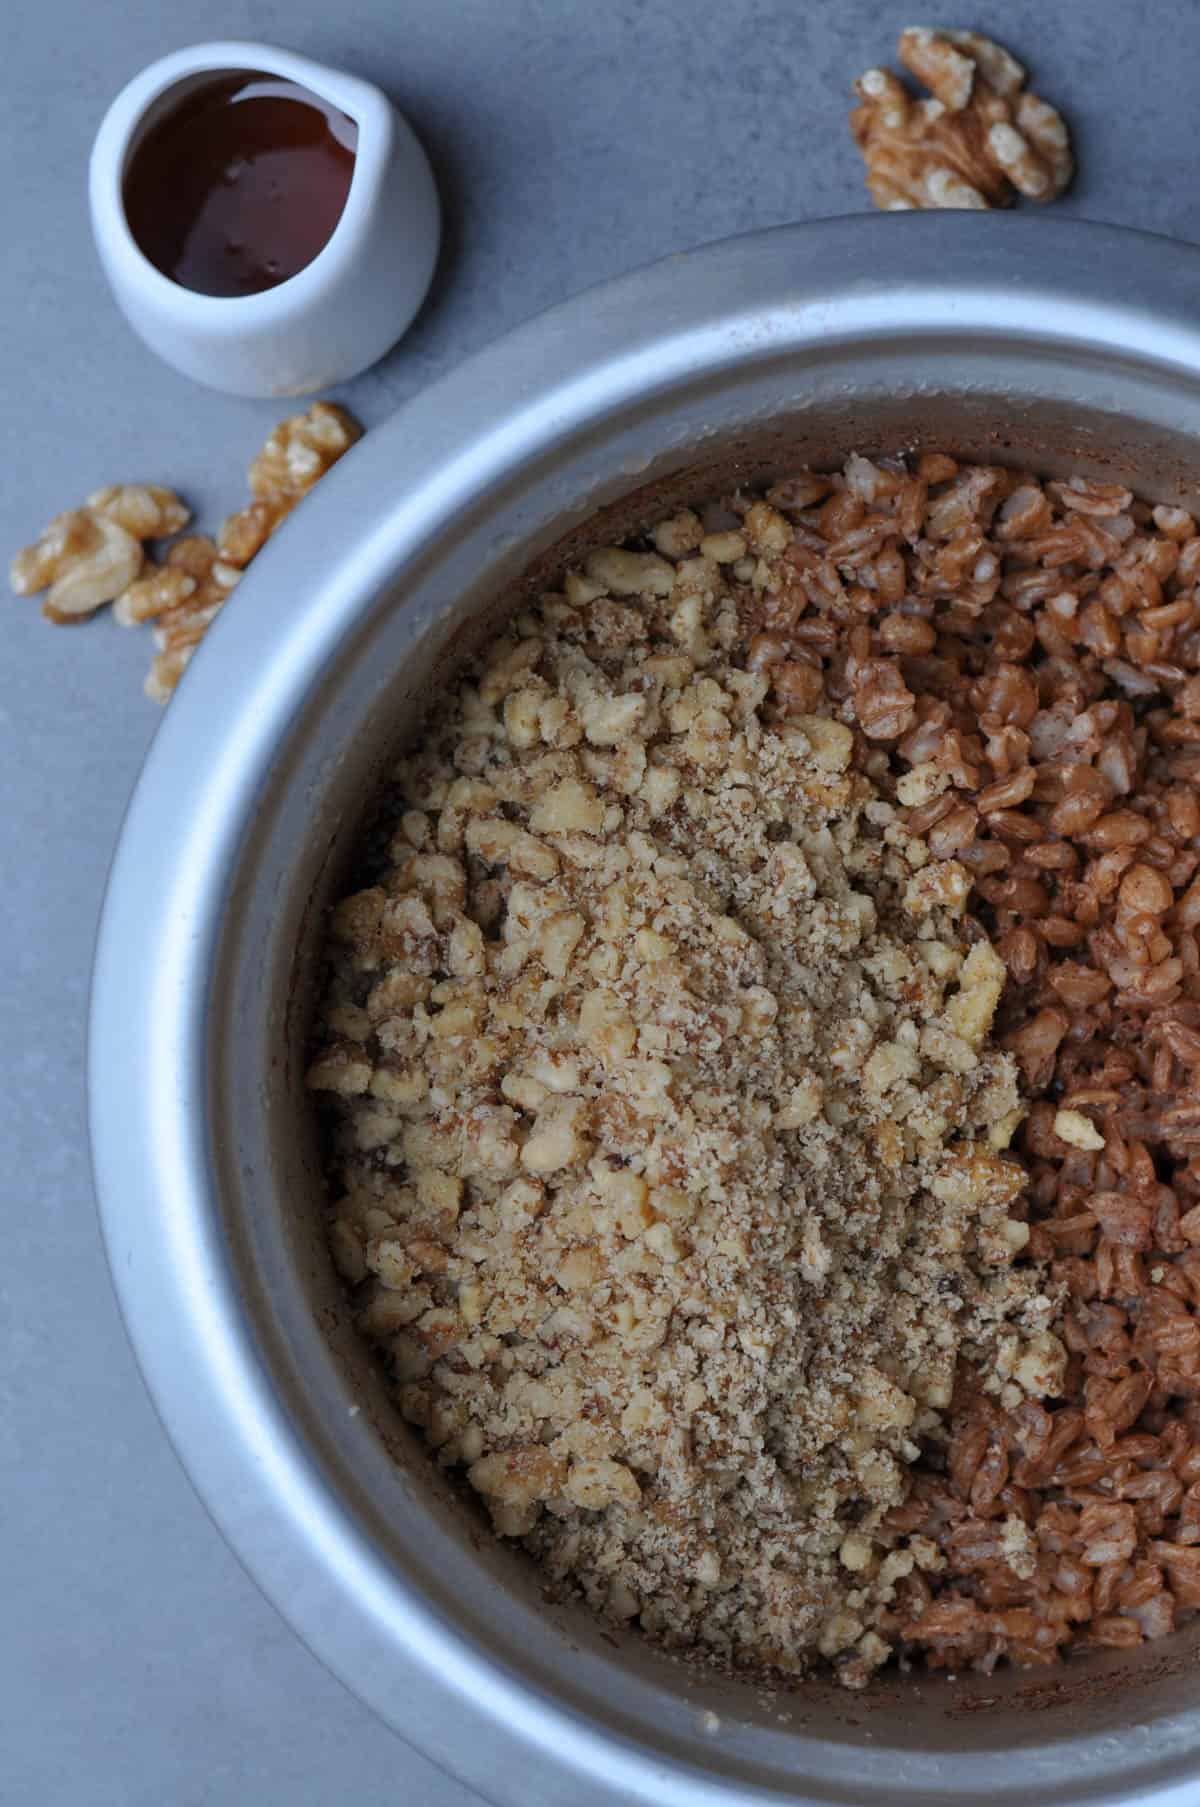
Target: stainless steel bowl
x,y
1066,346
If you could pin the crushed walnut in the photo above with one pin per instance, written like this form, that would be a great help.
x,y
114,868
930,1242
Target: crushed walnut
x,y
97,554
665,1130
977,140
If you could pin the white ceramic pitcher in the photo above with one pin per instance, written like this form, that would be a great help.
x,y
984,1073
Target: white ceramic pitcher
x,y
337,315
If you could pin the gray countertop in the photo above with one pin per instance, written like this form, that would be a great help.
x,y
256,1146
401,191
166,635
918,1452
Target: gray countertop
x,y
571,142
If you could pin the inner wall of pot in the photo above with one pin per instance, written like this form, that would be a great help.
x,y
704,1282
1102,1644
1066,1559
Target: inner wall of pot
x,y
418,632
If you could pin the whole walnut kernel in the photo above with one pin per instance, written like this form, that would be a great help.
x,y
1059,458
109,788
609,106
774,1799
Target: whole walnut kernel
x,y
976,142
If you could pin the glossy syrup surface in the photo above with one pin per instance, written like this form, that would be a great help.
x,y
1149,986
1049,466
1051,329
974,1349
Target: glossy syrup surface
x,y
241,185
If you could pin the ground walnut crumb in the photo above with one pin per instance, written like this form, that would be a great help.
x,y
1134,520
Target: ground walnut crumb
x,y
667,1136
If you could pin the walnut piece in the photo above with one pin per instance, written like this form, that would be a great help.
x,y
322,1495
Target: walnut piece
x,y
200,581
146,510
298,453
84,557
976,141
93,555
245,532
160,589
89,556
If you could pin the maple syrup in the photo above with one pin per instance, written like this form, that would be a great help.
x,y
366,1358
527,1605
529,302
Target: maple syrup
x,y
240,185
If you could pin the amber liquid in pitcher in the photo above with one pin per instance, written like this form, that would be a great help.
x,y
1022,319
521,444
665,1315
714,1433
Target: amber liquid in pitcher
x,y
240,185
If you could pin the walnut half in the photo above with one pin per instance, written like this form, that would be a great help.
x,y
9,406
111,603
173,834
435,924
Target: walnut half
x,y
977,140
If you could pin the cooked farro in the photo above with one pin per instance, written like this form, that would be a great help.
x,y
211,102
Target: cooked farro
x,y
1057,688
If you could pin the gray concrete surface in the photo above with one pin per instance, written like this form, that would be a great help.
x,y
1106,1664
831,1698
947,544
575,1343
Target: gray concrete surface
x,y
138,1664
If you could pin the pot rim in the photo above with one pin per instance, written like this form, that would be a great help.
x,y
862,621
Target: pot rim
x,y
150,1041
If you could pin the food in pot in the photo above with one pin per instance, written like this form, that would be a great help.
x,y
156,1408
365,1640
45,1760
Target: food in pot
x,y
736,912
